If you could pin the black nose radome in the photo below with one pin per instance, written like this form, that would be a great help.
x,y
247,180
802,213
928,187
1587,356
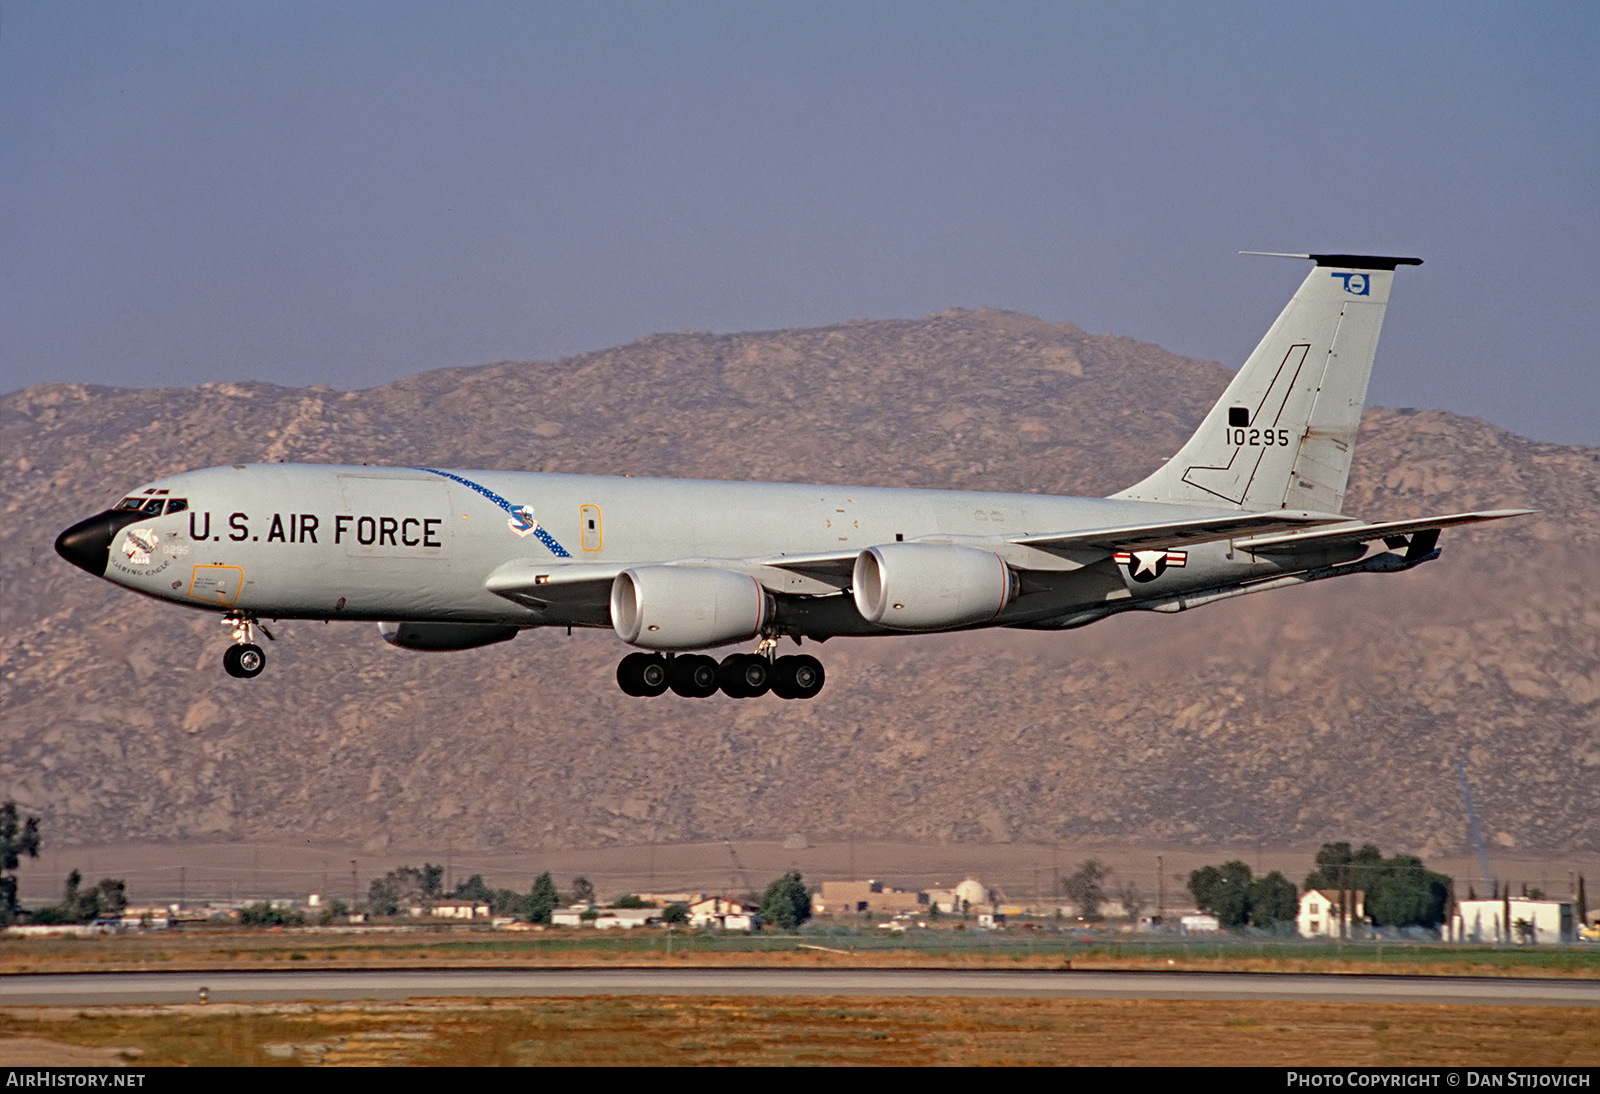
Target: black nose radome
x,y
87,544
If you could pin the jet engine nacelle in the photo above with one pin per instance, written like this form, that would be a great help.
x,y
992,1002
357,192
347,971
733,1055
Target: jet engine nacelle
x,y
930,587
677,608
435,637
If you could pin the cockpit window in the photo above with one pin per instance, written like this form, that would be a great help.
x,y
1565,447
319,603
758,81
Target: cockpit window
x,y
177,505
152,507
131,503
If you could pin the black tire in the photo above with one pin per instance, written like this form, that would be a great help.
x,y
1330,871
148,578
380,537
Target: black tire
x,y
693,676
805,676
728,677
244,662
782,681
628,674
652,675
744,675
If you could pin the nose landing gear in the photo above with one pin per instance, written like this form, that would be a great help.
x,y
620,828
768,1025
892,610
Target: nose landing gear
x,y
244,659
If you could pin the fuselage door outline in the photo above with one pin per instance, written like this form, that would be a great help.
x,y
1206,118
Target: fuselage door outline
x,y
589,519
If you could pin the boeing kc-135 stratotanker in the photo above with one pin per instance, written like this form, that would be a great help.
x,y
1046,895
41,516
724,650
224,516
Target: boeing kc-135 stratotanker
x,y
446,559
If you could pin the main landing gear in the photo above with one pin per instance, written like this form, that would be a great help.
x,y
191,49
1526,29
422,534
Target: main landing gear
x,y
738,676
244,659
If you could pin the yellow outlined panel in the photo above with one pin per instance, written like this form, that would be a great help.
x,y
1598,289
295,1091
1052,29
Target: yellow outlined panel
x,y
589,518
216,584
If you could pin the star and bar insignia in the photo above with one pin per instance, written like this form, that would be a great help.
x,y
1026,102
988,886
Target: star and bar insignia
x,y
1149,565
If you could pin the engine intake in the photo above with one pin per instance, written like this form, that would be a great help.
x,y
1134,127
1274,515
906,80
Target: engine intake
x,y
678,608
930,587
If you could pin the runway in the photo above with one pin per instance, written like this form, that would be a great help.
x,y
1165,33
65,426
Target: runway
x,y
280,986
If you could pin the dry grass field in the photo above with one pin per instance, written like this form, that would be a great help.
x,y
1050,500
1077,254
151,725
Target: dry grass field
x,y
652,1031
641,1030
339,948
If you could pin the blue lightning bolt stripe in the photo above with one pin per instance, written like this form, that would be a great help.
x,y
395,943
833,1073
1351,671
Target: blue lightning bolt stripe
x,y
538,531
550,541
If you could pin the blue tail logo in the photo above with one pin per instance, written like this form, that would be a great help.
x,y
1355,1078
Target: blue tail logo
x,y
1356,284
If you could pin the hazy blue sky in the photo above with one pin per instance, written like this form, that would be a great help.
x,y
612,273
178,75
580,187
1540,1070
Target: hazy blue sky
x,y
353,192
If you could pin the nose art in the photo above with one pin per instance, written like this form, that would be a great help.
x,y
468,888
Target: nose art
x,y
87,544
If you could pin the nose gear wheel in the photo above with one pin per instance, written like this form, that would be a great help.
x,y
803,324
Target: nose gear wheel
x,y
244,659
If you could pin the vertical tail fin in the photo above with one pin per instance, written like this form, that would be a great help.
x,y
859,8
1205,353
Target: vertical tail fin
x,y
1282,435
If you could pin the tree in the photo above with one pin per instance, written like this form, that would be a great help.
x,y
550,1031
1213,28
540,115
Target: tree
x,y
543,899
1085,887
786,903
1273,900
16,840
1224,891
583,891
113,896
632,900
1133,901
475,890
405,886
383,895
509,902
80,905
1400,891
1405,893
676,914
265,914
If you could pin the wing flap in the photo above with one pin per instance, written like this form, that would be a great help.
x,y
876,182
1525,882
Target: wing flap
x,y
1355,532
1178,533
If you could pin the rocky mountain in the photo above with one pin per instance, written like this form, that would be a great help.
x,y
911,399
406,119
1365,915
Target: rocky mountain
x,y
1336,711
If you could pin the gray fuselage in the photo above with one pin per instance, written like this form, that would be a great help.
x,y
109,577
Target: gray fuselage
x,y
369,543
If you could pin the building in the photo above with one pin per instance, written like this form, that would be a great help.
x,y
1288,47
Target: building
x,y
571,916
662,900
723,914
1518,919
625,918
1321,915
963,898
461,909
871,895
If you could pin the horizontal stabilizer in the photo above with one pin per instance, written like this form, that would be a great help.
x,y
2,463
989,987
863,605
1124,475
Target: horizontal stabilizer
x,y
1346,262
1364,533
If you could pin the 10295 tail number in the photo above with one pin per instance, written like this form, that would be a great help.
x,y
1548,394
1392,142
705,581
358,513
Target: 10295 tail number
x,y
1258,438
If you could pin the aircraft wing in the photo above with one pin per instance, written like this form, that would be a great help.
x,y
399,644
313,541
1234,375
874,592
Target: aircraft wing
x,y
821,564
1177,533
1356,532
545,584
542,584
